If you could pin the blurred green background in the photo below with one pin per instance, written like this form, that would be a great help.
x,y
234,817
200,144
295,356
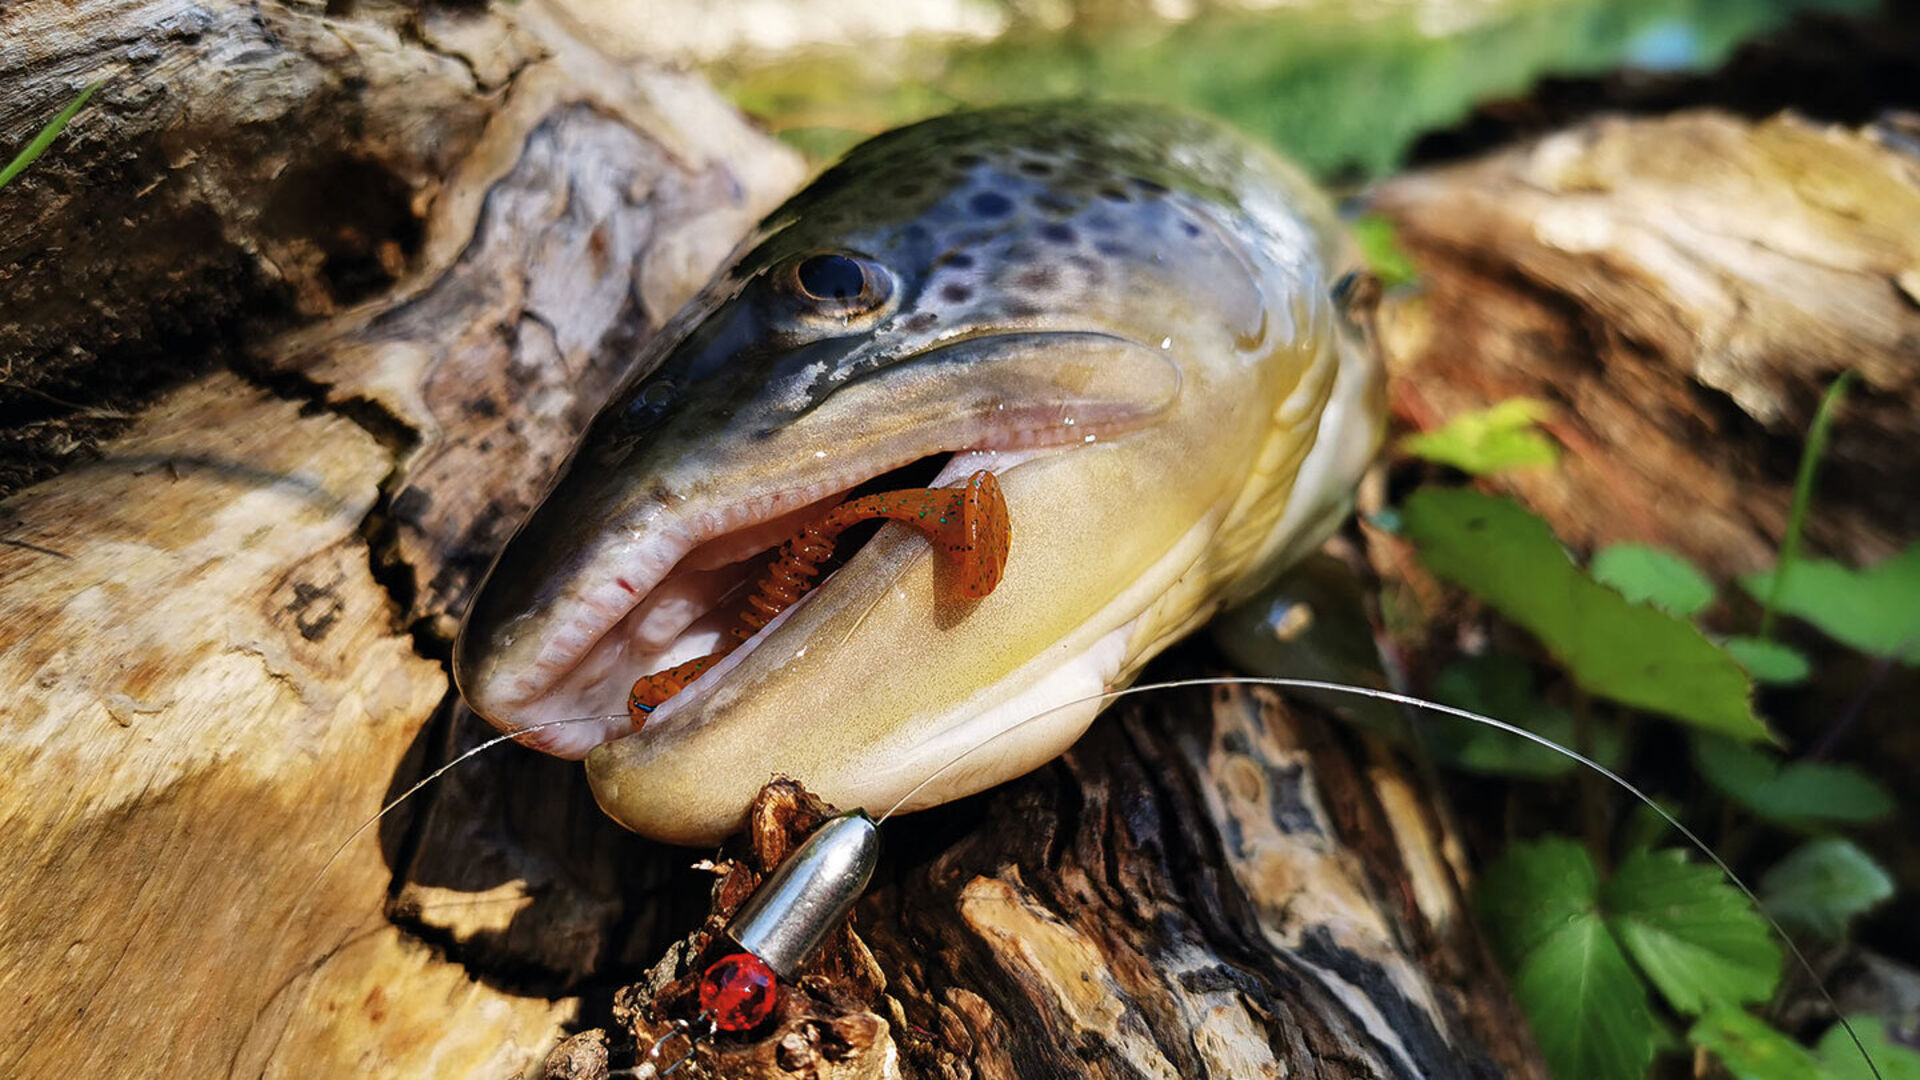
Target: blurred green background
x,y
1344,88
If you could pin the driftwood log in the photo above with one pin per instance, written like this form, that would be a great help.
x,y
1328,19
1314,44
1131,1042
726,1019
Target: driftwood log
x,y
222,636
1217,889
1684,289
219,639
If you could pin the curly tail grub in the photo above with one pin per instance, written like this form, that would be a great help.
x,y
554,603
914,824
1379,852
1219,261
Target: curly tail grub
x,y
967,524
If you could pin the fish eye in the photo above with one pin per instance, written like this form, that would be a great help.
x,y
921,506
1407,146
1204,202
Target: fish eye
x,y
830,277
837,285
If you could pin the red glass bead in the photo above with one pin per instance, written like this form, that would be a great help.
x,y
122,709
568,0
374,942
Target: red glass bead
x,y
738,991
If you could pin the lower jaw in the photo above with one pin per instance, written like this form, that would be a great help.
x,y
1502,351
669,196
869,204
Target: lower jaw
x,y
1026,730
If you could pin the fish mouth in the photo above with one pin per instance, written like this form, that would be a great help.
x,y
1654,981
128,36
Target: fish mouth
x,y
662,584
675,593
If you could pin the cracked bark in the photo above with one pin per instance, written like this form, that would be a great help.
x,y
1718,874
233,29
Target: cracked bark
x,y
204,628
1210,884
239,166
1684,289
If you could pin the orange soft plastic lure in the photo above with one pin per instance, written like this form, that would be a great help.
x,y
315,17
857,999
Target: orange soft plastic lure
x,y
967,524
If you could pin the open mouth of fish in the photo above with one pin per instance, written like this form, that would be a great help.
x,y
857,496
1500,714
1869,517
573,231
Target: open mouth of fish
x,y
678,587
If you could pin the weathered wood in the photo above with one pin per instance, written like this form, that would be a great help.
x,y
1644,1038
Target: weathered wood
x,y
239,164
1684,289
1190,892
205,653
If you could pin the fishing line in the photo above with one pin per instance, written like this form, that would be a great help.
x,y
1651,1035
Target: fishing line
x,y
442,771
1406,700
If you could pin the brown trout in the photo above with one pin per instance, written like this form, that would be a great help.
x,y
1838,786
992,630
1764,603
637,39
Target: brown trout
x,y
1127,314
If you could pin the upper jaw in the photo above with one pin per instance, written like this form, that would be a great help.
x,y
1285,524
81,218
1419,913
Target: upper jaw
x,y
543,642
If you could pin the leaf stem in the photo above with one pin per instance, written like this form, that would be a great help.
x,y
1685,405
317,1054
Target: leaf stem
x,y
1816,449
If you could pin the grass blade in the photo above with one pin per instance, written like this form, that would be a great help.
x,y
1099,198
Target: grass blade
x,y
1803,496
45,139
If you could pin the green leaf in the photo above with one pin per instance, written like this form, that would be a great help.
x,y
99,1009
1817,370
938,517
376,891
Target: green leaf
x,y
1587,1008
1489,440
1750,1049
1380,246
1803,794
1769,661
1630,653
1875,610
1823,885
1530,893
1699,940
1650,575
45,138
1840,1059
1501,686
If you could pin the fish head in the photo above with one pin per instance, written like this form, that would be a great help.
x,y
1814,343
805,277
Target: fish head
x,y
1040,293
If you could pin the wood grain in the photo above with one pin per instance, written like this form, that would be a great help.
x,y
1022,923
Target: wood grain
x,y
1683,289
219,649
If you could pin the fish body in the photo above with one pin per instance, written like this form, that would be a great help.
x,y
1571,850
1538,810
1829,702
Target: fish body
x,y
1126,313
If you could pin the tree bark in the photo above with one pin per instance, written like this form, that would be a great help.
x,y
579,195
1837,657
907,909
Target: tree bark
x,y
1684,289
212,639
1211,884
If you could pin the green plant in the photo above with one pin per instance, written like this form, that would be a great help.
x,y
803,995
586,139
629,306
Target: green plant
x,y
39,143
1599,956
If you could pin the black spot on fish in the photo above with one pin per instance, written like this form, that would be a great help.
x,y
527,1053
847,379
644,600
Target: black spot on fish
x,y
1036,168
1154,189
1037,278
1021,309
1052,204
922,321
967,161
959,260
1058,233
956,293
1189,228
1112,248
990,204
1115,193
